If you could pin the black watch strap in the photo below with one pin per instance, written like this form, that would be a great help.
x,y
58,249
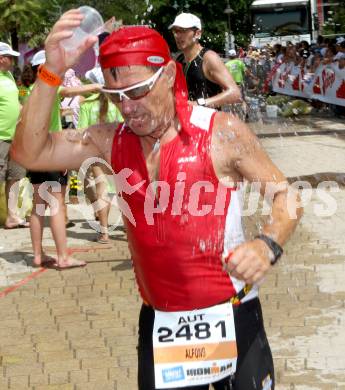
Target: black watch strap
x,y
274,246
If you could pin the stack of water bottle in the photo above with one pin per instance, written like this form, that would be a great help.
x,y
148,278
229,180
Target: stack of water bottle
x,y
254,110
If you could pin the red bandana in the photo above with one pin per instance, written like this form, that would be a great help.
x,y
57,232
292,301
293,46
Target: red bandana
x,y
141,45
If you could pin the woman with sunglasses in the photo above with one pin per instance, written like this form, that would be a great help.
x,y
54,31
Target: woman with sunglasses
x,y
176,167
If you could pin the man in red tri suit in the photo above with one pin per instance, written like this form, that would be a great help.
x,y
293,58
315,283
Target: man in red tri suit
x,y
178,169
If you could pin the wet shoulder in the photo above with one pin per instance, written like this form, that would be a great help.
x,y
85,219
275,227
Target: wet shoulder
x,y
102,136
226,122
102,131
230,128
209,54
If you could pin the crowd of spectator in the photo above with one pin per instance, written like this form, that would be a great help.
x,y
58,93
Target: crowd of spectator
x,y
261,61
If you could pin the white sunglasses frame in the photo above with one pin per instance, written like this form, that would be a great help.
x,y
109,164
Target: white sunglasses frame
x,y
122,92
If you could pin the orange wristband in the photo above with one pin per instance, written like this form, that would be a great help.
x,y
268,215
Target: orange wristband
x,y
48,77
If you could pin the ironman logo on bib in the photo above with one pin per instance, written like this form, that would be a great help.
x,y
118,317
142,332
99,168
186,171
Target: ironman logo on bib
x,y
194,347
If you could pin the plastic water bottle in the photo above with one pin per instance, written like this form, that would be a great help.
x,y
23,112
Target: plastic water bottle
x,y
92,24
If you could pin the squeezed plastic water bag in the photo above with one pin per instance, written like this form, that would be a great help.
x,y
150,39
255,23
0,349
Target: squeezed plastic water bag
x,y
92,24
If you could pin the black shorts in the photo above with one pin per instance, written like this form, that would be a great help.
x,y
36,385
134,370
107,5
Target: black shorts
x,y
41,177
254,365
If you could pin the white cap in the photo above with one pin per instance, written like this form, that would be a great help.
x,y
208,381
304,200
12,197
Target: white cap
x,y
232,53
6,50
185,20
340,40
95,75
339,56
39,58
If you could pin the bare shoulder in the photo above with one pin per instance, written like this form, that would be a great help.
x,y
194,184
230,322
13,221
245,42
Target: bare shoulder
x,y
232,142
237,152
210,54
101,135
101,130
229,129
216,71
212,58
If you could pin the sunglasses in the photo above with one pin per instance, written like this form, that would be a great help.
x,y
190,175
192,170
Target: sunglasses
x,y
181,30
134,92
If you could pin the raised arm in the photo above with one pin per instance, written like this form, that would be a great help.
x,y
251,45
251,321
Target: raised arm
x,y
80,90
33,146
215,70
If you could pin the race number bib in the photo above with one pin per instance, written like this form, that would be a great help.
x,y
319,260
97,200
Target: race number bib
x,y
195,347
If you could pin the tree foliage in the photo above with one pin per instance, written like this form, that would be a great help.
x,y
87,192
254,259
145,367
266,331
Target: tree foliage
x,y
30,20
121,9
335,22
215,21
15,14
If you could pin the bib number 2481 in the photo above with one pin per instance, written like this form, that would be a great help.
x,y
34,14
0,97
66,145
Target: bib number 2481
x,y
194,348
199,330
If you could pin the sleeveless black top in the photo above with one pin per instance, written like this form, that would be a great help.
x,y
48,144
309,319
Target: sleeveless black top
x,y
198,85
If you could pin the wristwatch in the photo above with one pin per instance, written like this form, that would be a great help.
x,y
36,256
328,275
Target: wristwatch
x,y
201,102
276,249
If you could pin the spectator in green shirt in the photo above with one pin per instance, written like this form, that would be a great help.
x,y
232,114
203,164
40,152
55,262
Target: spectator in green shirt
x,y
238,70
236,67
26,79
10,171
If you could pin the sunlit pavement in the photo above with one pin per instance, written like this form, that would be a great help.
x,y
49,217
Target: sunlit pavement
x,y
76,329
303,298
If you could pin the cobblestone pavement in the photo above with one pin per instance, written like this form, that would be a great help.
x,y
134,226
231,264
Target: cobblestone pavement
x,y
76,330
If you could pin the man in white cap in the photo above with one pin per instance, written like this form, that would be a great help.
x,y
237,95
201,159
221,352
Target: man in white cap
x,y
236,67
209,83
238,70
10,171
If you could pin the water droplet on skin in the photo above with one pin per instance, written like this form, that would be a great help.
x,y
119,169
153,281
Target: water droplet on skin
x,y
74,135
239,149
216,148
226,135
